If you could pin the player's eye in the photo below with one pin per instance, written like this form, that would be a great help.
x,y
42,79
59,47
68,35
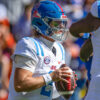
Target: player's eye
x,y
58,23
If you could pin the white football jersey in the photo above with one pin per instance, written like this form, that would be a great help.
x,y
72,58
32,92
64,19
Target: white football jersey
x,y
94,86
95,11
46,62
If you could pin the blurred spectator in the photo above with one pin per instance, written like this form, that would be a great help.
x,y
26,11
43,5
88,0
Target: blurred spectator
x,y
88,67
22,27
87,5
80,90
77,9
7,44
15,8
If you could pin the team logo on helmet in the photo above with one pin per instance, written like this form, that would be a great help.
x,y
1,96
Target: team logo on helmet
x,y
35,11
63,16
47,60
36,14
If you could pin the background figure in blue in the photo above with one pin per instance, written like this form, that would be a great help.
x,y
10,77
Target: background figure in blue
x,y
22,28
88,67
81,70
87,59
81,82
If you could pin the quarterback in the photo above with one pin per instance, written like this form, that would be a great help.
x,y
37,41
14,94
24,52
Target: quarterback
x,y
91,24
37,60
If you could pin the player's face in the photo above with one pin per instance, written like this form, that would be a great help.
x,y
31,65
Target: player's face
x,y
59,29
58,26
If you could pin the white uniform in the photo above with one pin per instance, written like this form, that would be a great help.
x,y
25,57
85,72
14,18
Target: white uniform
x,y
38,54
94,88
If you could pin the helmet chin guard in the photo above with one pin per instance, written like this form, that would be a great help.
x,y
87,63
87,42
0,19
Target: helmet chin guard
x,y
60,37
49,19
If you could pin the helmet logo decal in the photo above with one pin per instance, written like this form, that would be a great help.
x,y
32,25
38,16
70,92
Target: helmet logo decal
x,y
63,16
36,14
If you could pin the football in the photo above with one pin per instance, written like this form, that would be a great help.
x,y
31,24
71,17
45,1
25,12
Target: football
x,y
66,89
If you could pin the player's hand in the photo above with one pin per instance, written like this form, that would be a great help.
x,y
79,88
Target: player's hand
x,y
60,73
75,75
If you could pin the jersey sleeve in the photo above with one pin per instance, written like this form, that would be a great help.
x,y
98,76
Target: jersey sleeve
x,y
25,50
95,9
25,63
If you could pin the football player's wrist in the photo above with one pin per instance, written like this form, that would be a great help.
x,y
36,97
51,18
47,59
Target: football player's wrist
x,y
47,78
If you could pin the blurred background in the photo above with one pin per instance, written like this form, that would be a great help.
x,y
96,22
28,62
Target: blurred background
x,y
15,24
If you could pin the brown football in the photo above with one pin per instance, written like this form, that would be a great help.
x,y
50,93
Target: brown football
x,y
66,89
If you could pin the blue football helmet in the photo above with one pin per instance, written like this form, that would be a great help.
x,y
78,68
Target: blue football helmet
x,y
48,18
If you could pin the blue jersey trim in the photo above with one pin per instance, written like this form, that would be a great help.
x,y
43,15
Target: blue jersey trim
x,y
37,48
37,45
98,3
63,51
42,53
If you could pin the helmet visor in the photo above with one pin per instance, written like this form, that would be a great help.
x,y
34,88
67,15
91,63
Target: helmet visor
x,y
58,24
59,30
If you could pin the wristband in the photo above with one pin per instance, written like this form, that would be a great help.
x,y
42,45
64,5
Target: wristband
x,y
47,78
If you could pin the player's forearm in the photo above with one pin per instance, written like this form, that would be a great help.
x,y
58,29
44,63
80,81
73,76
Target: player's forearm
x,y
23,80
29,84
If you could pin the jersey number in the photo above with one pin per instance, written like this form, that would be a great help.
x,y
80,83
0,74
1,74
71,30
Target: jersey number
x,y
45,91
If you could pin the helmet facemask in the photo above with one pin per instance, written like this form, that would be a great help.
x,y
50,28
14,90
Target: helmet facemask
x,y
57,29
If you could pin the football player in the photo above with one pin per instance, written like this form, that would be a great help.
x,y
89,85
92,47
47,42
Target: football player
x,y
37,60
89,24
